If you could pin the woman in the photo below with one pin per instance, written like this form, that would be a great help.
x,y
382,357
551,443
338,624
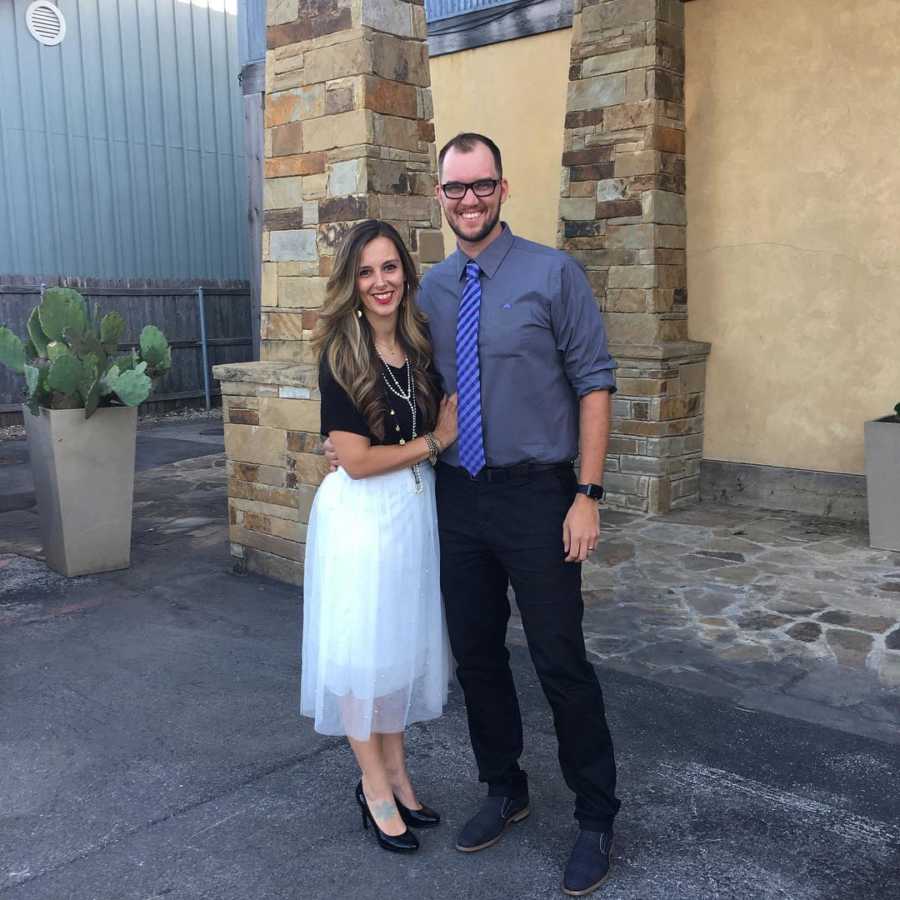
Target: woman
x,y
375,656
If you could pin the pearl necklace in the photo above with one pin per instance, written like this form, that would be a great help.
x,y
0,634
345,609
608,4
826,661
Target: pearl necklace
x,y
409,397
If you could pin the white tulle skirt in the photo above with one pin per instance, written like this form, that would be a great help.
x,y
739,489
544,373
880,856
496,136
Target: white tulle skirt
x,y
375,655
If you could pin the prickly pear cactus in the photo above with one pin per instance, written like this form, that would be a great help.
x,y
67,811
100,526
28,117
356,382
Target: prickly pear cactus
x,y
65,375
36,333
67,359
112,327
155,350
62,308
133,387
12,351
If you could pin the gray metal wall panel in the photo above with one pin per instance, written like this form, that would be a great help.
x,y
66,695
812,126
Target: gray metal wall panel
x,y
121,149
444,9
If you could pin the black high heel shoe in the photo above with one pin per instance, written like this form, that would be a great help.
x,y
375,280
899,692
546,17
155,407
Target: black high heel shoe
x,y
424,817
400,843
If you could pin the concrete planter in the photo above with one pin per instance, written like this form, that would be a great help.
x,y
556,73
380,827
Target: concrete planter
x,y
883,482
84,482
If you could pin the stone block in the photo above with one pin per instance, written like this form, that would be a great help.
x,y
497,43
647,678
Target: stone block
x,y
674,236
431,246
625,300
301,292
255,444
337,131
617,209
617,14
664,208
642,163
304,442
281,11
392,18
308,468
282,326
302,164
287,570
241,417
283,193
310,212
345,209
282,219
631,328
289,415
353,57
611,189
393,131
275,526
269,543
390,97
596,93
295,105
290,512
629,237
630,115
290,245
316,186
609,63
287,140
668,140
347,177
693,377
632,277
410,208
272,475
577,209
399,59
324,19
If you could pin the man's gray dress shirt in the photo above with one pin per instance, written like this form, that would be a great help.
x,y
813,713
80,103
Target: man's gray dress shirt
x,y
542,346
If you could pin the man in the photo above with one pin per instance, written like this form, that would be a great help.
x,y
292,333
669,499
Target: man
x,y
517,332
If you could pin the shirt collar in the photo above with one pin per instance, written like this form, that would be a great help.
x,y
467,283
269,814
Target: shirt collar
x,y
490,258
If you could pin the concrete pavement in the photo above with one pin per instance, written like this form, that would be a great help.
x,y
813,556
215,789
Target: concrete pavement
x,y
151,748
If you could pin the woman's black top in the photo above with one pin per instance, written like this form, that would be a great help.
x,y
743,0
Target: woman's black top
x,y
340,414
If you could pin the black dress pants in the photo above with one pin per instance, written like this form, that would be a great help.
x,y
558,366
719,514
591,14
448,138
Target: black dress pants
x,y
493,533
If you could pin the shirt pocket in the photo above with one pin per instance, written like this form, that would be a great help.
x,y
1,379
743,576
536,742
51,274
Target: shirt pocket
x,y
519,327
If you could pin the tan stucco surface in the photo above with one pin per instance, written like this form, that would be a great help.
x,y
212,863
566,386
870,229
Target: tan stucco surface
x,y
515,92
794,224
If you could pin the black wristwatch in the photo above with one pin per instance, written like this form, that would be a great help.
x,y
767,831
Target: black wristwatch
x,y
594,491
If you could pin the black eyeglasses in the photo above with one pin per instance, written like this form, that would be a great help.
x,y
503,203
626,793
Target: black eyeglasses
x,y
456,190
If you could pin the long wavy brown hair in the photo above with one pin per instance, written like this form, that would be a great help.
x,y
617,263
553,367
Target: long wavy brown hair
x,y
346,339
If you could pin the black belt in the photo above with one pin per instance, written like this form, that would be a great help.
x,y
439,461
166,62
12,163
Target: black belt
x,y
498,474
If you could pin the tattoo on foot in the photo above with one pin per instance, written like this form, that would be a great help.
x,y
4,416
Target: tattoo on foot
x,y
383,809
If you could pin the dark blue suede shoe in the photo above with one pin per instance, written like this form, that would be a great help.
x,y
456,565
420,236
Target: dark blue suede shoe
x,y
588,865
486,827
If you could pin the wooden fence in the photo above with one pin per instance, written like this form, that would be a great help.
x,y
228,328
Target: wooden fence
x,y
172,307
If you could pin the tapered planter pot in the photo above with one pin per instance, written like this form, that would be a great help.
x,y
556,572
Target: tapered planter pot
x,y
883,482
84,482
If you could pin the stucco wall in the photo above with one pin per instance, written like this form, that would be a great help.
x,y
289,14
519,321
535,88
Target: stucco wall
x,y
515,92
794,224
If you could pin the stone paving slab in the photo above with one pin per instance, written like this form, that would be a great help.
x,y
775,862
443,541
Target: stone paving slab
x,y
772,609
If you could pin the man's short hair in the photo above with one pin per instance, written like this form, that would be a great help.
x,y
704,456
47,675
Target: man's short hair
x,y
465,143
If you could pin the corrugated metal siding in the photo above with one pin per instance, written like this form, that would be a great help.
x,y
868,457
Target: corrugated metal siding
x,y
444,9
121,149
251,31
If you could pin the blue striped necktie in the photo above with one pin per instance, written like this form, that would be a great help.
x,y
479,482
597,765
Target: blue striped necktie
x,y
468,375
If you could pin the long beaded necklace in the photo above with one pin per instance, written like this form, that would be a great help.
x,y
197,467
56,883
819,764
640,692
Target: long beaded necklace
x,y
409,397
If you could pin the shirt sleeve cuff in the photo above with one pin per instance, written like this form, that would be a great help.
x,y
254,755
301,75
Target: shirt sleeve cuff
x,y
599,381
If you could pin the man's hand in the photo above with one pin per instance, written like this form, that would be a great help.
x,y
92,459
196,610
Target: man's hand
x,y
581,528
331,454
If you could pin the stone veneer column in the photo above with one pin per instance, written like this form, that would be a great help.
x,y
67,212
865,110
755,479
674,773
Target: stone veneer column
x,y
622,214
348,136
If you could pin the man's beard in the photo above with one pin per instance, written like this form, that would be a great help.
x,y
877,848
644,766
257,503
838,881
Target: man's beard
x,y
480,235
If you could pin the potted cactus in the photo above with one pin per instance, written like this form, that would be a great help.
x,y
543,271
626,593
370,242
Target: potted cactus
x,y
882,437
80,414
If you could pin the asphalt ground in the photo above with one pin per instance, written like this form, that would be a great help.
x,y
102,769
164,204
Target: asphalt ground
x,y
151,749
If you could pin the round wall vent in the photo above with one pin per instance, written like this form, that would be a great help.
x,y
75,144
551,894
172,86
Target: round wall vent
x,y
46,23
